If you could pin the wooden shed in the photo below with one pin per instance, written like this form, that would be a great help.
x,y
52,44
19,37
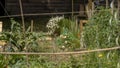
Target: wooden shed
x,y
12,7
43,6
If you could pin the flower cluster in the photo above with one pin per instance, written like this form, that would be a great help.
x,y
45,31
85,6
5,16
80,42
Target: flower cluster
x,y
52,24
63,36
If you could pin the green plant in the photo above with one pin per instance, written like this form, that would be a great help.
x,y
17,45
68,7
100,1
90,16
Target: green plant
x,y
17,40
33,62
69,34
4,61
102,30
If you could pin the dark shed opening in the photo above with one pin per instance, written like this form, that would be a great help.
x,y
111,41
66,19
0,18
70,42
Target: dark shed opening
x,y
2,6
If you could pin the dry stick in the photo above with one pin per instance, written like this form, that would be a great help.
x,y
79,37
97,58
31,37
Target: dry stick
x,y
72,7
41,14
23,25
118,7
61,53
27,57
106,3
22,16
112,6
31,25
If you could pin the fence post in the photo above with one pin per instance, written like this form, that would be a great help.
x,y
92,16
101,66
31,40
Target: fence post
x,y
1,26
1,48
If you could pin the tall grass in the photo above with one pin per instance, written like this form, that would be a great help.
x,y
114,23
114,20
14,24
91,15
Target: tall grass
x,y
102,30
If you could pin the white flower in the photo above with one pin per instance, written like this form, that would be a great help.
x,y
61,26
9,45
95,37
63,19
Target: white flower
x,y
52,24
62,36
48,38
0,46
66,42
63,47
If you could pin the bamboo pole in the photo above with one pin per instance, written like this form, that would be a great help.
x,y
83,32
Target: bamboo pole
x,y
118,7
72,8
45,14
62,53
106,3
22,16
93,7
23,25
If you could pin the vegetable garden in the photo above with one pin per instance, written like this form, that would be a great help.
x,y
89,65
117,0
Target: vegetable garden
x,y
63,44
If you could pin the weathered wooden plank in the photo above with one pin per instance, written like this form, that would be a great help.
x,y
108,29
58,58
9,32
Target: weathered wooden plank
x,y
39,6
